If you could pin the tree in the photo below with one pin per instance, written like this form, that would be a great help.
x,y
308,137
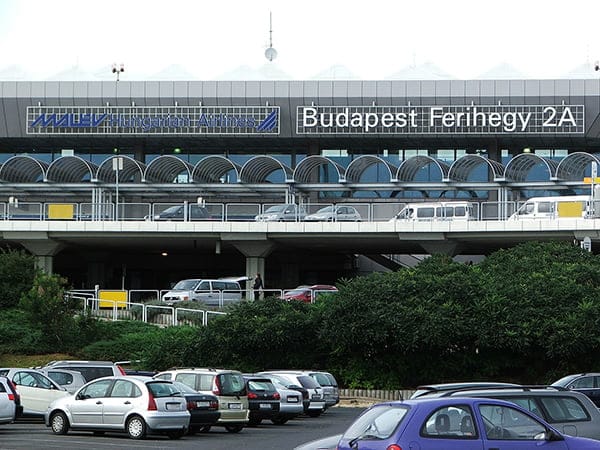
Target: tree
x,y
47,308
16,276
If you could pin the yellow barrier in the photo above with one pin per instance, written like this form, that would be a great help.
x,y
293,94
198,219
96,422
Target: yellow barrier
x,y
107,299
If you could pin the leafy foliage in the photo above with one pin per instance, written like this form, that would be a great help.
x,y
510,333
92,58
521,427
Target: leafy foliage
x,y
16,276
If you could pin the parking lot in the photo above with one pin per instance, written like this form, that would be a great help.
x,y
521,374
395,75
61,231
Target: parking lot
x,y
33,434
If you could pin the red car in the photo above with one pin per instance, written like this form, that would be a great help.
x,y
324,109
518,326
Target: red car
x,y
308,294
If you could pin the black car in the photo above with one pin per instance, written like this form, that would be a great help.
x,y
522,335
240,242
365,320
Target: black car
x,y
203,408
263,399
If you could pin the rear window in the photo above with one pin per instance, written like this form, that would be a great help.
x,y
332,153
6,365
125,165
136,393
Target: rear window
x,y
308,382
564,409
261,385
332,379
322,379
376,423
232,384
61,378
161,389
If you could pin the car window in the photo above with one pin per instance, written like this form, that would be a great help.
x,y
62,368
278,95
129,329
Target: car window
x,y
162,389
122,388
454,421
163,376
91,373
321,378
232,384
219,285
379,422
332,380
308,382
528,403
564,409
204,286
98,389
506,423
185,284
189,379
62,378
582,383
32,379
258,385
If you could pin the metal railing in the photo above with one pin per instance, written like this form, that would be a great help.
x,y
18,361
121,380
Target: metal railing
x,y
220,212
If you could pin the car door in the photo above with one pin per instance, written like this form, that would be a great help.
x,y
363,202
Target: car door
x,y
120,400
88,405
37,391
506,427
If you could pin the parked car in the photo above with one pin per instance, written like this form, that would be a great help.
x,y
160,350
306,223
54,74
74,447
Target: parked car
x,y
586,383
569,412
335,213
279,380
89,369
227,385
308,294
482,423
291,402
211,292
135,405
10,402
264,401
316,403
203,408
71,380
288,212
177,213
331,392
431,389
36,390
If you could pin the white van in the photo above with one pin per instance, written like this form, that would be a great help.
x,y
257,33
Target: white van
x,y
428,211
218,292
558,207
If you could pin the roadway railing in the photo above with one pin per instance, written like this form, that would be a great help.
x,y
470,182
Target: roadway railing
x,y
222,212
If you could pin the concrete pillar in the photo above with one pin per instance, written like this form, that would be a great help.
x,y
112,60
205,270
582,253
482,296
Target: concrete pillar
x,y
43,250
255,251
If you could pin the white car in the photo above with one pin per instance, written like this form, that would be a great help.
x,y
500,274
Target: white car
x,y
316,404
336,213
135,405
8,401
36,389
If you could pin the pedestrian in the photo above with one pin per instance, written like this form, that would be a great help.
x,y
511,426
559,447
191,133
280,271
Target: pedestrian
x,y
258,286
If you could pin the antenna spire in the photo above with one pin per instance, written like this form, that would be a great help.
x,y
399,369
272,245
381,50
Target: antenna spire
x,y
270,53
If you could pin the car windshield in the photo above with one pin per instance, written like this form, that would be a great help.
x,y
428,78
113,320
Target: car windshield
x,y
378,422
171,210
186,284
276,208
297,291
327,209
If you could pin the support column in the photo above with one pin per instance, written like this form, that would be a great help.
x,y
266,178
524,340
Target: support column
x,y
43,250
255,252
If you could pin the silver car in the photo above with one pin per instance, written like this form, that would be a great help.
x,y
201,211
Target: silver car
x,y
8,402
291,404
315,392
335,213
288,212
71,380
135,405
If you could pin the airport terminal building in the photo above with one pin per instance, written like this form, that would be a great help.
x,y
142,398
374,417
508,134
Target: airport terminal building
x,y
120,150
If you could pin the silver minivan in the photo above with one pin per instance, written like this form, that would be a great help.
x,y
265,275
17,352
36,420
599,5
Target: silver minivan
x,y
217,292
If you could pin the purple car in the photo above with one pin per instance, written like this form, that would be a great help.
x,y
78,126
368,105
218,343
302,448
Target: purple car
x,y
454,424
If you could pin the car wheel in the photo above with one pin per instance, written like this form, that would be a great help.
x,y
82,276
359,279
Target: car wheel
x,y
178,434
314,413
234,428
59,423
279,421
204,429
136,428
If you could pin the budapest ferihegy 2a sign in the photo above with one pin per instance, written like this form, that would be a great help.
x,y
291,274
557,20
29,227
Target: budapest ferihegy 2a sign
x,y
450,119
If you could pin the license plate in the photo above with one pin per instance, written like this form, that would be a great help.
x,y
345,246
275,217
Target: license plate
x,y
292,399
265,406
234,406
316,397
173,406
202,404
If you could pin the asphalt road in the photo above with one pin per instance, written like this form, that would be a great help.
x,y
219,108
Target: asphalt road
x,y
32,434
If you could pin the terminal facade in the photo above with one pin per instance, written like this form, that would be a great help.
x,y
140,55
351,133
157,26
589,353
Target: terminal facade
x,y
270,142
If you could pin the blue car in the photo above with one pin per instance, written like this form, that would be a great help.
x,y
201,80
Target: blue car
x,y
452,424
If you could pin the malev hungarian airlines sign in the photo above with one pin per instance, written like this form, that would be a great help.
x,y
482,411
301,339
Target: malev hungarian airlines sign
x,y
180,120
459,119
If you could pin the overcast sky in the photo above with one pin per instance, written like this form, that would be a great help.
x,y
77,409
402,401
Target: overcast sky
x,y
373,39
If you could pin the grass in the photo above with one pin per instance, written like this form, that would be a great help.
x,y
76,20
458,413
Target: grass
x,y
8,360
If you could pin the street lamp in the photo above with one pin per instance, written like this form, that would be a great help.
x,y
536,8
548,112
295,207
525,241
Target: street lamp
x,y
118,69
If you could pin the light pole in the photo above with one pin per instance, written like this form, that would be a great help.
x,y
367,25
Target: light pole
x,y
117,166
118,69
